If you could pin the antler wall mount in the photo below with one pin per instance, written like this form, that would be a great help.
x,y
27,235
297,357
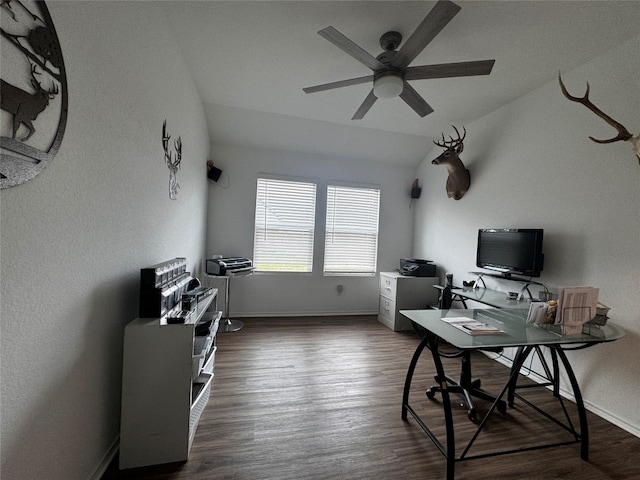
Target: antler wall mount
x,y
623,134
172,163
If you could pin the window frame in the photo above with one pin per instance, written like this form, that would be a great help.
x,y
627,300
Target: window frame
x,y
310,258
329,231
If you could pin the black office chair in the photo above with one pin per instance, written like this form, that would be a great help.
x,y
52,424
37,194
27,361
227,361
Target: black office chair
x,y
465,385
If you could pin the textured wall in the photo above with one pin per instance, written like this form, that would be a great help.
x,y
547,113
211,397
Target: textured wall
x,y
74,238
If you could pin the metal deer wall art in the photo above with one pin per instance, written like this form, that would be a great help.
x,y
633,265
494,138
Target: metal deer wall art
x,y
33,91
172,163
459,178
623,134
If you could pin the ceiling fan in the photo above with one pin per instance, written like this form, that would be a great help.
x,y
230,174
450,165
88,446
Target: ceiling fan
x,y
391,70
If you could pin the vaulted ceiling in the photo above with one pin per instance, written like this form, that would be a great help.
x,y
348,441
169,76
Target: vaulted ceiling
x,y
250,61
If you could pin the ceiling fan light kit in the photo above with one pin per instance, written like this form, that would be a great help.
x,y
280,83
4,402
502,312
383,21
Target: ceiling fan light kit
x,y
391,68
388,86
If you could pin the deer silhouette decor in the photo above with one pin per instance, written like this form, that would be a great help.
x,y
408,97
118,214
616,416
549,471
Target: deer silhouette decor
x,y
172,163
33,91
623,134
24,106
459,178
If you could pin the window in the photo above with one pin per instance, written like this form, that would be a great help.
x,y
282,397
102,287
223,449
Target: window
x,y
351,239
284,226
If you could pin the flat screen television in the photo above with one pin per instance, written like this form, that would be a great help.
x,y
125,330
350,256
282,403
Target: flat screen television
x,y
511,250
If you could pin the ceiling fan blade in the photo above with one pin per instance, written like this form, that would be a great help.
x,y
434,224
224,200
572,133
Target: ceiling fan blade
x,y
433,23
445,70
365,107
415,101
346,45
341,83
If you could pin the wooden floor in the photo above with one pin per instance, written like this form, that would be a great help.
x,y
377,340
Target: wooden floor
x,y
320,398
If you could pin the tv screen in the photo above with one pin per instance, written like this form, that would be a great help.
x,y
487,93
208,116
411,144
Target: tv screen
x,y
511,250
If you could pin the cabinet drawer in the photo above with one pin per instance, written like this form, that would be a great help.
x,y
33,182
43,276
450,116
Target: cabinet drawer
x,y
210,362
201,347
388,286
387,308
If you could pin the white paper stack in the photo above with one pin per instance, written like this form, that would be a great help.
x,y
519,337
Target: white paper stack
x,y
576,306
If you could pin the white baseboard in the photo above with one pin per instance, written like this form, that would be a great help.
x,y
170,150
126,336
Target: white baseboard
x,y
608,416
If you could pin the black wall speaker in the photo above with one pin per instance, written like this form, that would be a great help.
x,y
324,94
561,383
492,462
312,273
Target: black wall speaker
x,y
214,174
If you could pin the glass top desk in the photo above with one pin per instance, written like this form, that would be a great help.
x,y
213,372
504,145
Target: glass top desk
x,y
486,296
516,333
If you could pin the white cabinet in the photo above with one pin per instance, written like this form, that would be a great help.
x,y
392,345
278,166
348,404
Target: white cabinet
x,y
399,292
166,381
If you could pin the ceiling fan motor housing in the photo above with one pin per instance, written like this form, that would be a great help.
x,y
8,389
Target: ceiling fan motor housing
x,y
391,71
388,82
386,58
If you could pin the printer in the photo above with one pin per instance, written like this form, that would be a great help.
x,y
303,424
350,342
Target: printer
x,y
413,267
225,266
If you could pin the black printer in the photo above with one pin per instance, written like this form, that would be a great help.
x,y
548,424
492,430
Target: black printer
x,y
413,267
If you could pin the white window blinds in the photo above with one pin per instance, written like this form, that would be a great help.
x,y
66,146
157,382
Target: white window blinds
x,y
351,240
284,226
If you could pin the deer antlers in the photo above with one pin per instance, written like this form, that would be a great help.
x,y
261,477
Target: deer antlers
x,y
165,145
51,93
623,134
452,143
171,163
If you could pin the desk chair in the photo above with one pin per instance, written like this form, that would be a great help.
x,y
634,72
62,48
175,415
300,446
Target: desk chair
x,y
465,385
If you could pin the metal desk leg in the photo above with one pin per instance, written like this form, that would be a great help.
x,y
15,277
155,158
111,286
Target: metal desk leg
x,y
409,377
517,360
226,324
448,450
556,373
553,376
582,413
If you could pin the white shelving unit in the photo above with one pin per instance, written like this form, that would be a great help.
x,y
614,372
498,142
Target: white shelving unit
x,y
166,381
400,292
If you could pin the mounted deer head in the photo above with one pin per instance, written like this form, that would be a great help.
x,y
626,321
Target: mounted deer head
x,y
459,178
623,134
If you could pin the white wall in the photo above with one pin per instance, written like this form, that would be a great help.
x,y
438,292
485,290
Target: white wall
x,y
74,238
231,220
532,165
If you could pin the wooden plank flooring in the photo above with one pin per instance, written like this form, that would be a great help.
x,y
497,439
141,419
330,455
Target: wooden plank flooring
x,y
320,398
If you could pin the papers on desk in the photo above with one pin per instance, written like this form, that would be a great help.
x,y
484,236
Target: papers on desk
x,y
471,326
576,306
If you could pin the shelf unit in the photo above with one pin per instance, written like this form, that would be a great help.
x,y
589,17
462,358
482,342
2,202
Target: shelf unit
x,y
399,292
166,382
527,282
